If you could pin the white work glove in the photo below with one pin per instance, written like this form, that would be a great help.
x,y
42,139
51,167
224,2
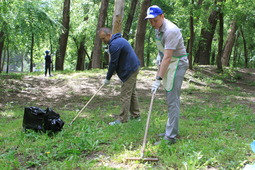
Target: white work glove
x,y
106,82
155,86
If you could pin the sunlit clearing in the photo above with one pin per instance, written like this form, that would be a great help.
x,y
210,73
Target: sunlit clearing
x,y
7,114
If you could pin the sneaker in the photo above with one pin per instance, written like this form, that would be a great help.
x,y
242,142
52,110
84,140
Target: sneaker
x,y
161,134
115,122
169,142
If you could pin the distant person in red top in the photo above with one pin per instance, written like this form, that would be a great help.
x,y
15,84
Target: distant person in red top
x,y
48,63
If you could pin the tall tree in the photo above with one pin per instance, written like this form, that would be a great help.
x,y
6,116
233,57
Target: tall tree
x,y
192,34
130,18
236,49
245,49
97,51
81,52
229,44
206,37
141,31
8,57
32,52
118,16
60,55
148,48
3,22
221,34
1,48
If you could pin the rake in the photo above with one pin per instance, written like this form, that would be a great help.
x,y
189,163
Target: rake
x,y
141,158
86,105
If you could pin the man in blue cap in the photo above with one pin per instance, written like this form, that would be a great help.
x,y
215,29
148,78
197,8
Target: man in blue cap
x,y
172,64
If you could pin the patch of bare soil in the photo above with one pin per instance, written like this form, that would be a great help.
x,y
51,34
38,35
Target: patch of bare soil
x,y
244,78
66,91
62,92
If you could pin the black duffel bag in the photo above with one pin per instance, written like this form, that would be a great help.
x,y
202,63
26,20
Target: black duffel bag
x,y
42,120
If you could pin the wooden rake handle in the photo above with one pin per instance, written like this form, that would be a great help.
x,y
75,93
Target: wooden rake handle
x,y
147,125
86,105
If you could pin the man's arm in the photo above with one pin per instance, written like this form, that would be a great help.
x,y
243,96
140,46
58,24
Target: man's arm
x,y
114,51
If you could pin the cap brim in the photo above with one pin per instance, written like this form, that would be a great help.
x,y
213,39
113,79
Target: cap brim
x,y
150,16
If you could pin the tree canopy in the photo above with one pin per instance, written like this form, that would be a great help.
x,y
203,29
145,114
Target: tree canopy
x,y
28,28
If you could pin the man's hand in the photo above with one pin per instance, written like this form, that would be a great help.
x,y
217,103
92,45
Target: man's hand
x,y
106,82
155,86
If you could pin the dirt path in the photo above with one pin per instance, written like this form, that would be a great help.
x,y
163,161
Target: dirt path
x,y
65,91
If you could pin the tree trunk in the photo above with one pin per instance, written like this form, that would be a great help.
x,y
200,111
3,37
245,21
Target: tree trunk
x,y
205,42
192,36
31,52
2,66
229,44
1,48
97,51
22,63
118,16
81,56
60,58
148,48
220,43
245,50
51,50
141,31
8,59
213,54
130,18
198,7
88,65
235,49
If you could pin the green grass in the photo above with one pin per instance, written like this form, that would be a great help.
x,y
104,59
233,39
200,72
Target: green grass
x,y
216,129
17,76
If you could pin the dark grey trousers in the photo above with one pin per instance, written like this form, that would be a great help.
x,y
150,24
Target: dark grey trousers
x,y
173,103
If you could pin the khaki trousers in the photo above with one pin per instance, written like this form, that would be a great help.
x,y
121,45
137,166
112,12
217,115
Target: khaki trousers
x,y
129,99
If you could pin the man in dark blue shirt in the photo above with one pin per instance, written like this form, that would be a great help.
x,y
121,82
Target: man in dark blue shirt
x,y
125,63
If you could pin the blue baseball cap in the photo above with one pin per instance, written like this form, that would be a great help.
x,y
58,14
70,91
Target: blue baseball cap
x,y
153,12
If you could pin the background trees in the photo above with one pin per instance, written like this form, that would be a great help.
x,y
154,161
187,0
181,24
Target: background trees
x,y
218,32
60,56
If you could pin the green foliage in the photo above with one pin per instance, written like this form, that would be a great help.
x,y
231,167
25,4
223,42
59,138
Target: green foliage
x,y
20,19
